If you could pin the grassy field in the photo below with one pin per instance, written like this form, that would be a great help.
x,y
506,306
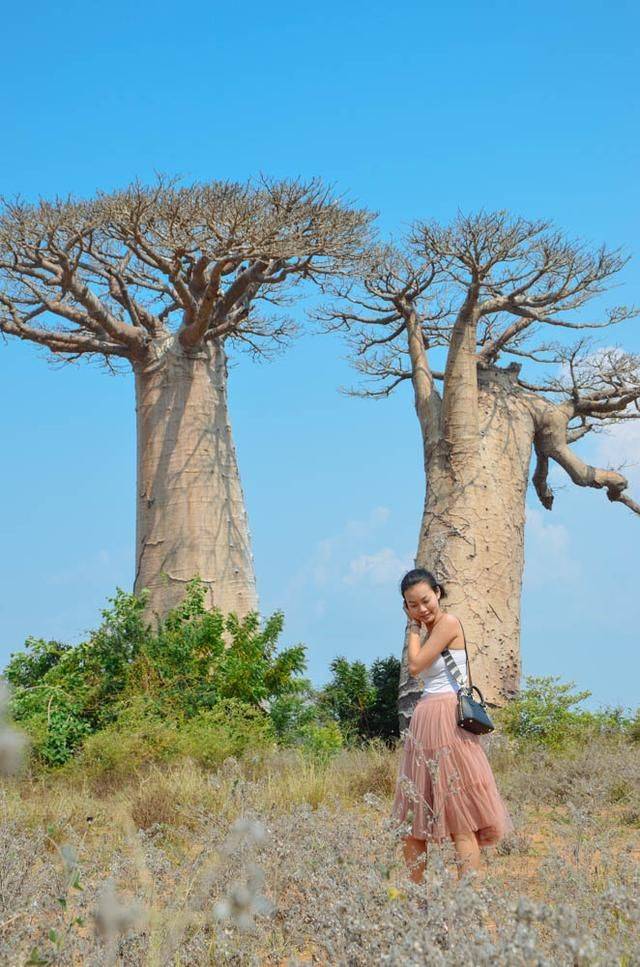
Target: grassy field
x,y
280,859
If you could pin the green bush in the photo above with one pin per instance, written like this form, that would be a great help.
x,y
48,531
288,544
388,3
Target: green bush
x,y
52,718
28,668
383,717
230,729
291,713
545,713
193,662
322,741
633,729
349,696
136,740
117,753
63,693
364,701
208,686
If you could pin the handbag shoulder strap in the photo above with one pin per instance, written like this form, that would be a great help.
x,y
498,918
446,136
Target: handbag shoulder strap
x,y
452,666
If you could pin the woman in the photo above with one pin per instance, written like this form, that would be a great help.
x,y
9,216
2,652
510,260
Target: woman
x,y
445,785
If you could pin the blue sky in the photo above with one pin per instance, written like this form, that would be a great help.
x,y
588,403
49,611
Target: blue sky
x,y
415,110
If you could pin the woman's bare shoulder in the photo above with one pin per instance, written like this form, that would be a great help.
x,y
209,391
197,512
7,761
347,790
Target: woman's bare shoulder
x,y
450,620
455,625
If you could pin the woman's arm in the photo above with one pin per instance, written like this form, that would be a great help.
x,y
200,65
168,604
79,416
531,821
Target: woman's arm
x,y
420,657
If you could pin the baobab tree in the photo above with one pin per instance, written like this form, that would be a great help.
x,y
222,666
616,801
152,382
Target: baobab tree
x,y
459,311
160,279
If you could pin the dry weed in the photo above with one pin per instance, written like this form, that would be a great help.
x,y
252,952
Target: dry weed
x,y
155,872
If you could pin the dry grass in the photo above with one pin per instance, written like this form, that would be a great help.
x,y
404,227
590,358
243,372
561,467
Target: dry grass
x,y
562,890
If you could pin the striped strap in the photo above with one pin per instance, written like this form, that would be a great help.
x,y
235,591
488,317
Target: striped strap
x,y
453,668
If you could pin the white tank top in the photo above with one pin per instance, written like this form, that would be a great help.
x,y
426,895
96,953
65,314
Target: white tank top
x,y
437,678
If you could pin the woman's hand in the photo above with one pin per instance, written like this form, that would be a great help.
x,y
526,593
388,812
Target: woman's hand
x,y
413,624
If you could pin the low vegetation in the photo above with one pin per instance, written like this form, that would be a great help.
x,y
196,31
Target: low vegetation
x,y
188,803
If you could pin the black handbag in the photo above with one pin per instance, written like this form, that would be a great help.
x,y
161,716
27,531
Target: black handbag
x,y
472,714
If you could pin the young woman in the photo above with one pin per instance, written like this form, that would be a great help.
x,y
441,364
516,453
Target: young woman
x,y
445,784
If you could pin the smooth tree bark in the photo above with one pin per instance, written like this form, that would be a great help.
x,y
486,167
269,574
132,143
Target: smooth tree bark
x,y
162,280
478,298
190,506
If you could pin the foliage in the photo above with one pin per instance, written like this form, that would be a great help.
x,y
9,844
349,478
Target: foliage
x,y
189,664
349,695
229,729
63,693
141,737
29,667
322,741
544,713
291,714
385,677
634,727
174,847
208,686
116,752
362,700
130,678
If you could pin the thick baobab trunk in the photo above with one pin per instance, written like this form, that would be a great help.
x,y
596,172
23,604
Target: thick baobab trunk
x,y
191,517
472,535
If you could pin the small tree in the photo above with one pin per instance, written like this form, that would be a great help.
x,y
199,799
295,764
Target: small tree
x,y
349,695
486,289
161,280
543,711
363,700
383,718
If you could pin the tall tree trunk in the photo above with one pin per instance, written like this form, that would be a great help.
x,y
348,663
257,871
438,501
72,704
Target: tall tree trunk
x,y
191,517
472,536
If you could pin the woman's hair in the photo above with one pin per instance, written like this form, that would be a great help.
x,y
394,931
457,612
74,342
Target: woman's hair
x,y
417,576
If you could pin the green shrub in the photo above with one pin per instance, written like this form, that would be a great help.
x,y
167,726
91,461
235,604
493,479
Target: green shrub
x,y
364,701
350,696
190,665
383,716
28,668
192,662
321,741
118,753
585,725
63,693
290,714
633,728
53,720
137,739
543,713
231,728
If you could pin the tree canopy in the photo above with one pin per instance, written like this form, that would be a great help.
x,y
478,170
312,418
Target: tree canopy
x,y
113,275
492,287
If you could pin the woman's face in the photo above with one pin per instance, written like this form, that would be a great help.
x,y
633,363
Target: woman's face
x,y
423,603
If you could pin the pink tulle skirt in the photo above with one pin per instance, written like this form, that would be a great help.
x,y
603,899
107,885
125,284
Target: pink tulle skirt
x,y
445,783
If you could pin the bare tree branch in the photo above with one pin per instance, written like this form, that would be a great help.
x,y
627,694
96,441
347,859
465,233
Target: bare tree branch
x,y
127,269
551,442
61,342
486,286
585,475
390,342
539,479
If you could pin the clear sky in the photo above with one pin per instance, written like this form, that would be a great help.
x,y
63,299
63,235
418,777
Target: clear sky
x,y
414,109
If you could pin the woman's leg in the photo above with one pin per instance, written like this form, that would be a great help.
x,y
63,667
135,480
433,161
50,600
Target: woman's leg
x,y
467,852
415,856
